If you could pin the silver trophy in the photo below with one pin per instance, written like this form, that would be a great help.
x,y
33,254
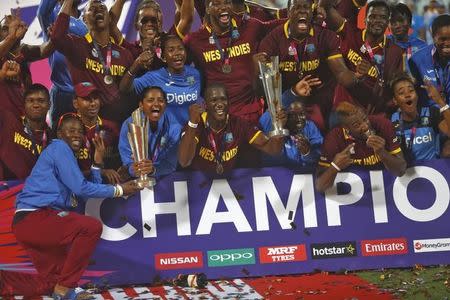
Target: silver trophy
x,y
271,78
138,138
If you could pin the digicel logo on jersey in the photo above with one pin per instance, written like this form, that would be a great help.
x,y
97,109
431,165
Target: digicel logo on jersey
x,y
278,254
180,260
384,247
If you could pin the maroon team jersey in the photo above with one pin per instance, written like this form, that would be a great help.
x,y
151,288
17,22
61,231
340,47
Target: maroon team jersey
x,y
85,66
111,135
12,91
19,150
311,54
235,135
390,61
207,57
339,138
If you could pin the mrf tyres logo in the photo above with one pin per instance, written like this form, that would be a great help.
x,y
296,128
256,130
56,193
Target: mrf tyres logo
x,y
231,257
431,245
333,250
278,254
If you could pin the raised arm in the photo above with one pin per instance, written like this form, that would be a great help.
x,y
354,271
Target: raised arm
x,y
189,138
334,19
186,18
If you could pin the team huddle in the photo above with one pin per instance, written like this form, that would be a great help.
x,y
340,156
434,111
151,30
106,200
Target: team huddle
x,y
350,97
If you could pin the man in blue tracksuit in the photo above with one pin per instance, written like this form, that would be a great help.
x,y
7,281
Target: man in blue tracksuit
x,y
58,241
61,94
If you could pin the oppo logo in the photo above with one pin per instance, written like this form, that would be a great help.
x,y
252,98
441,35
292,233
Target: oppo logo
x,y
230,257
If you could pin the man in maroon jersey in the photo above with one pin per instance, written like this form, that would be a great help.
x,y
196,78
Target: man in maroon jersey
x,y
223,48
307,49
23,138
87,105
212,140
371,44
12,31
95,58
361,140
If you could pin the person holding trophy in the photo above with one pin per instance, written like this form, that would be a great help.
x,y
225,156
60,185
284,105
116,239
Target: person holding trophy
x,y
149,138
212,139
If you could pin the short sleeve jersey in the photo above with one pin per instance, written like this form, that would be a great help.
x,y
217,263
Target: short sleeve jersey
x,y
208,59
339,138
237,133
19,150
387,60
85,65
311,54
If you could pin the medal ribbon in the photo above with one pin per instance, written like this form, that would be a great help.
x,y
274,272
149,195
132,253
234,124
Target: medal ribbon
x,y
408,53
217,152
442,78
293,45
156,149
33,142
379,67
223,54
107,66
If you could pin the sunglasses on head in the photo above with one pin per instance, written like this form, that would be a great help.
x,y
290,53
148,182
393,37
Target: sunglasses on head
x,y
66,116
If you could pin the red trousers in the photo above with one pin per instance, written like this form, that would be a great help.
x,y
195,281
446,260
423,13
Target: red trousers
x,y
59,247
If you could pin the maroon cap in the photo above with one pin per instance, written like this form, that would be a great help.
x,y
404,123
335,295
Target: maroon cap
x,y
84,89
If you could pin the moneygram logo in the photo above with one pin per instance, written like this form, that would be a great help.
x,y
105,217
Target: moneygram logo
x,y
384,247
180,260
231,257
433,245
333,250
280,254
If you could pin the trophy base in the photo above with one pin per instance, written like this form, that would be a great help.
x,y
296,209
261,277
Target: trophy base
x,y
145,183
279,132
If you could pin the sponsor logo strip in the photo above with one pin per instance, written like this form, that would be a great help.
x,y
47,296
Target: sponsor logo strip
x,y
231,257
384,247
279,254
432,245
333,250
179,260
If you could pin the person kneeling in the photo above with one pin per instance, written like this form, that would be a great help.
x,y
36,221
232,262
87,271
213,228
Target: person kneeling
x,y
361,140
58,240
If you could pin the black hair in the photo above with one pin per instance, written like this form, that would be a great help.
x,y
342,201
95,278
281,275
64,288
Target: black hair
x,y
149,88
439,22
215,85
378,3
402,76
403,10
146,4
167,37
34,88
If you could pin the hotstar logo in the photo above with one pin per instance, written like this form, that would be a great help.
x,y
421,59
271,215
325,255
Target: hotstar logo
x,y
333,250
231,257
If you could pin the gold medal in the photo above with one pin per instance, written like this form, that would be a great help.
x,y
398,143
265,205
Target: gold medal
x,y
108,79
226,68
219,168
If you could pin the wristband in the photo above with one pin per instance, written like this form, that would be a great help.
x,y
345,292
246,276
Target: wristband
x,y
192,125
97,166
444,108
131,74
118,190
335,166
